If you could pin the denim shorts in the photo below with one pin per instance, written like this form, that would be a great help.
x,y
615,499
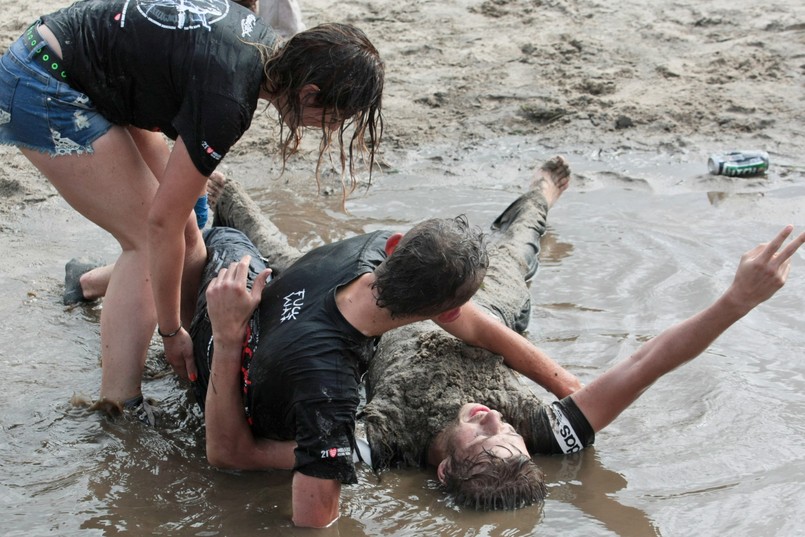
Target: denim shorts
x,y
39,112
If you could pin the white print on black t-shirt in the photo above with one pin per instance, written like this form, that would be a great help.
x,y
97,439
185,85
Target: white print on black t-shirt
x,y
182,14
292,305
247,25
336,452
563,432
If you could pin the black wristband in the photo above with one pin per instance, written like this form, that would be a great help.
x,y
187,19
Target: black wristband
x,y
172,333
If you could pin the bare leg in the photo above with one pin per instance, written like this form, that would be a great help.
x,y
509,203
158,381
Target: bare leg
x,y
93,283
114,187
514,254
195,258
153,148
84,283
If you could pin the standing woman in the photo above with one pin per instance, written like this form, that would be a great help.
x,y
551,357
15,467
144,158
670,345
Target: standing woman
x,y
86,92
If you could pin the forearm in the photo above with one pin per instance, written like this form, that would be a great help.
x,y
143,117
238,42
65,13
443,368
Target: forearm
x,y
171,208
607,396
761,273
166,256
230,442
480,329
532,362
686,340
227,430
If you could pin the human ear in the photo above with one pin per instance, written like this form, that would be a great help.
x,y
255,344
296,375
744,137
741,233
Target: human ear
x,y
441,470
308,95
392,242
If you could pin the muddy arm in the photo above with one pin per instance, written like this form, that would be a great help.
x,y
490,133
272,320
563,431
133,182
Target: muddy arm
x,y
476,327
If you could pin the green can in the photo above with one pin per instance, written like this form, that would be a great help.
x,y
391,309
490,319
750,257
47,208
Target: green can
x,y
739,163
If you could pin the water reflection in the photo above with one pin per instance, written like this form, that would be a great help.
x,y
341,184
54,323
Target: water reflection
x,y
582,481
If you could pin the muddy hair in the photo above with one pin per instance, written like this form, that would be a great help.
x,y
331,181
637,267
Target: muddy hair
x,y
488,482
437,266
341,61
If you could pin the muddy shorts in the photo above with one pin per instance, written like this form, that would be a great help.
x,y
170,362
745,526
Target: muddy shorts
x,y
38,109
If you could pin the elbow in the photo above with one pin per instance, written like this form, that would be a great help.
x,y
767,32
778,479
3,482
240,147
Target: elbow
x,y
161,222
216,461
221,458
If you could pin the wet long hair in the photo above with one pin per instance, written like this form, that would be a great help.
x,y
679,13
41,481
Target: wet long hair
x,y
488,482
437,266
341,61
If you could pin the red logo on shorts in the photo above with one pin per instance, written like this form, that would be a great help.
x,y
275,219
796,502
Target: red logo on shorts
x,y
333,452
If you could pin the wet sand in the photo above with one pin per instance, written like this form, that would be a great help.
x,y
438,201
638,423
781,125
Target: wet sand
x,y
680,79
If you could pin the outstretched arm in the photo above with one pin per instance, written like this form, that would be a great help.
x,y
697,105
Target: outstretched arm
x,y
761,272
230,443
478,328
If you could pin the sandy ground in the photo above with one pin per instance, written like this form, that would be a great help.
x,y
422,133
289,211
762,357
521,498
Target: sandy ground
x,y
677,77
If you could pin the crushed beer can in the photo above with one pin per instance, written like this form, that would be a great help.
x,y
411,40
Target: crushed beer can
x,y
739,163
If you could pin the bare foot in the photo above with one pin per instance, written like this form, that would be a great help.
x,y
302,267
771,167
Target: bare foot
x,y
552,178
215,186
74,273
95,282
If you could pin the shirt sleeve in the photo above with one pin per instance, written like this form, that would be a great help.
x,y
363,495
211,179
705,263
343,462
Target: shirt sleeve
x,y
210,124
325,438
558,428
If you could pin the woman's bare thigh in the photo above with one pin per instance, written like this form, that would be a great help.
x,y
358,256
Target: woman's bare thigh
x,y
113,186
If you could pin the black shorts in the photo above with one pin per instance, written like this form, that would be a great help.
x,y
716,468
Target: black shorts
x,y
224,246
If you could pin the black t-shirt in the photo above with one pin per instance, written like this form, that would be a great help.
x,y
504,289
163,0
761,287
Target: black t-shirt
x,y
188,69
305,365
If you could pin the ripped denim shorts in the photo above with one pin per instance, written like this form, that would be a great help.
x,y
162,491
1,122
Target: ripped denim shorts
x,y
39,112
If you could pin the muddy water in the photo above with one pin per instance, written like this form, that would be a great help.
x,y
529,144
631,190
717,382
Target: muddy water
x,y
639,241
